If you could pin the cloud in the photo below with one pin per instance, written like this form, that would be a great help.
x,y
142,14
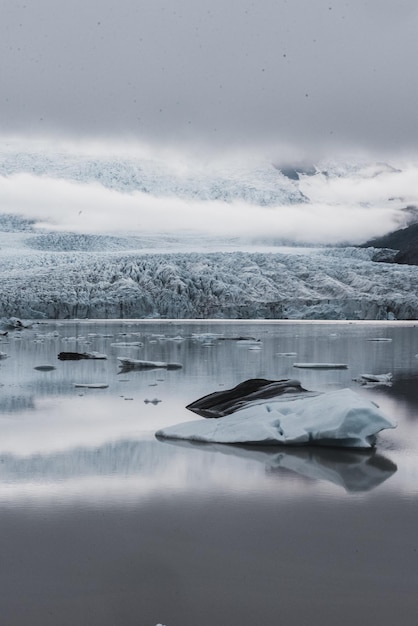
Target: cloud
x,y
334,216
316,75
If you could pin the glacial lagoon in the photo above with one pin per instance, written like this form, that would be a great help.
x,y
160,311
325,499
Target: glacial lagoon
x,y
103,524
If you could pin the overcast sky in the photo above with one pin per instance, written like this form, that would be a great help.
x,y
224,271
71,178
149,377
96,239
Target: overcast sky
x,y
225,73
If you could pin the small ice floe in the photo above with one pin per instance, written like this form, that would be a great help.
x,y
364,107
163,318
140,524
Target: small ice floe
x,y
44,368
77,356
249,343
52,335
136,364
92,385
127,344
374,379
176,339
237,338
153,401
206,337
3,355
4,334
383,339
339,418
17,324
321,366
286,353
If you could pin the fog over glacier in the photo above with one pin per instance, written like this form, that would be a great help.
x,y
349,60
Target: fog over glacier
x,y
336,202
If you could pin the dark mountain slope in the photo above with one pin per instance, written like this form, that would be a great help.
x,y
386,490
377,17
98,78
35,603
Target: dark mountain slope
x,y
405,240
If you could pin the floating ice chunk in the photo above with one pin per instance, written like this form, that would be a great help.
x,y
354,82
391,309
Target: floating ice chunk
x,y
322,366
153,401
137,364
127,344
15,322
249,342
379,339
286,353
3,355
205,337
91,385
338,418
374,378
77,356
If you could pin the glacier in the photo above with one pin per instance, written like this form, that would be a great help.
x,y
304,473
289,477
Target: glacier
x,y
45,273
339,283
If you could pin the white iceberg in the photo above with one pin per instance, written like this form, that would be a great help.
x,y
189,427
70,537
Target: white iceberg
x,y
92,385
338,418
137,364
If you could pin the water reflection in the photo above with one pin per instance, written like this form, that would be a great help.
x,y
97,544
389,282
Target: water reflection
x,y
44,414
355,471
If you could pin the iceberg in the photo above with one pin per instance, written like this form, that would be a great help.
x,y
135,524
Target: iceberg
x,y
91,385
374,379
339,418
128,364
78,356
321,366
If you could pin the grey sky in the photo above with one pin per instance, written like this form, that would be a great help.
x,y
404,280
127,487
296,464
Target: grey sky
x,y
223,73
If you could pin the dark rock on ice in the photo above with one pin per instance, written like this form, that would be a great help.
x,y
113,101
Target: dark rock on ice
x,y
77,356
222,403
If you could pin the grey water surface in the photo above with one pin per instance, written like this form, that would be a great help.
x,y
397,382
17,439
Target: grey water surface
x,y
103,524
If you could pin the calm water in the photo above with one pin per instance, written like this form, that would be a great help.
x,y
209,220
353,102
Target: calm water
x,y
101,524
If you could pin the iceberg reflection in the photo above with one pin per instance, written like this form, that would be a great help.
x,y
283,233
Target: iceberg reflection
x,y
354,470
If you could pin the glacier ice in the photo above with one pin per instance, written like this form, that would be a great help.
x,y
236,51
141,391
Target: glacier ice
x,y
338,418
326,284
67,275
